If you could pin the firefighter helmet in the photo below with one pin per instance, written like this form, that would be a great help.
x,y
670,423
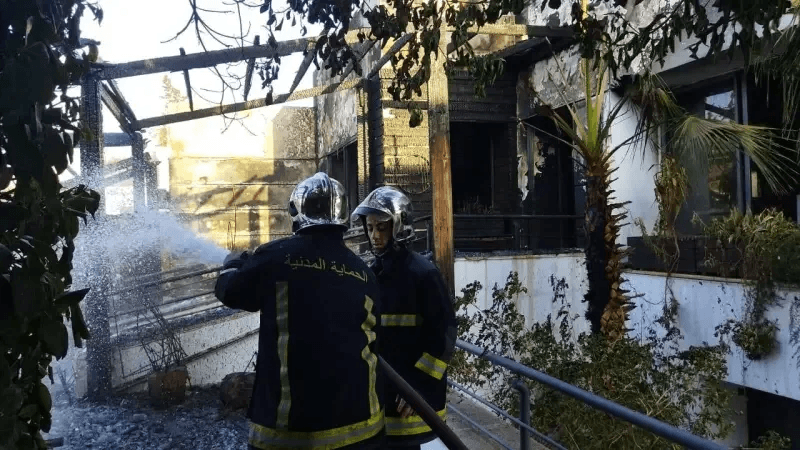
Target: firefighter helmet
x,y
318,200
388,202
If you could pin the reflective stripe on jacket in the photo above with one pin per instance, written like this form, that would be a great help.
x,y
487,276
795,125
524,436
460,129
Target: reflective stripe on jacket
x,y
418,329
317,383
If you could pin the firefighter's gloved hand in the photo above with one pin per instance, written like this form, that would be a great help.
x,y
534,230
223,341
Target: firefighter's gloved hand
x,y
235,260
404,408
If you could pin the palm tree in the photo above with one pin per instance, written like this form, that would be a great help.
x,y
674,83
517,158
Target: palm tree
x,y
691,138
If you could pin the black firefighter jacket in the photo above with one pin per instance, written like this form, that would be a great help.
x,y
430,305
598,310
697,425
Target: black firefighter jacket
x,y
418,327
317,384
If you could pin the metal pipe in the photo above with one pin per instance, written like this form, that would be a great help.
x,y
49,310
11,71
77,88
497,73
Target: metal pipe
x,y
166,280
524,412
478,427
655,426
541,438
421,407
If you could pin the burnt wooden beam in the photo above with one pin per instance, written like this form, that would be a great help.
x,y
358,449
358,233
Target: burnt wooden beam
x,y
250,104
209,59
441,172
113,107
499,29
117,139
139,173
124,106
116,104
309,58
251,65
188,84
199,60
283,98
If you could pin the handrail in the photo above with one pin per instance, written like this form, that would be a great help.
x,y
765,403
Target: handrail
x,y
655,426
448,437
480,428
166,280
539,436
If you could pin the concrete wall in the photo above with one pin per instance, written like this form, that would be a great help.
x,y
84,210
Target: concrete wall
x,y
706,302
235,336
240,202
635,179
537,273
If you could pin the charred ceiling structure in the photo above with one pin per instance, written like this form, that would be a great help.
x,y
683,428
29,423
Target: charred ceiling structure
x,y
496,148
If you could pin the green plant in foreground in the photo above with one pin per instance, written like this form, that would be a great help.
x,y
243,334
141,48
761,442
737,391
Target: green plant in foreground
x,y
652,374
768,246
39,220
771,441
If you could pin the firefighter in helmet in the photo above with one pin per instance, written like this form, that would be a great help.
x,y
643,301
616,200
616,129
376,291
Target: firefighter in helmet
x,y
418,323
317,384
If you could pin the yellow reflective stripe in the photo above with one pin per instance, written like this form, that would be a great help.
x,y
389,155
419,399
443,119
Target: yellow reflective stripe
x,y
432,366
282,319
397,426
398,320
269,439
368,356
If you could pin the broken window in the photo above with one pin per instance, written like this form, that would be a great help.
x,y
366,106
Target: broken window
x,y
472,150
342,165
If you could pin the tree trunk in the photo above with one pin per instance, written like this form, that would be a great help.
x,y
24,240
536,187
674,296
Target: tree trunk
x,y
607,302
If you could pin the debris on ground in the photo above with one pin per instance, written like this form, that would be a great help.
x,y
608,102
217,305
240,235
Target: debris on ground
x,y
129,422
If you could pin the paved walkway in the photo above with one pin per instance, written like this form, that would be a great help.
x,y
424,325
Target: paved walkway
x,y
474,439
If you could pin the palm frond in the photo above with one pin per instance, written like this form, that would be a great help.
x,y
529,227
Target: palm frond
x,y
655,106
701,140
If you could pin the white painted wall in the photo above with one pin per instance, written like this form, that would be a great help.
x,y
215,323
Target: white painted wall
x,y
637,164
535,273
706,302
208,369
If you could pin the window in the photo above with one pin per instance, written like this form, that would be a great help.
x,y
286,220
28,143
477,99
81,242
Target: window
x,y
766,102
714,185
342,165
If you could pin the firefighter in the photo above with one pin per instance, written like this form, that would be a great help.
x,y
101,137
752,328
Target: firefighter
x,y
317,384
418,323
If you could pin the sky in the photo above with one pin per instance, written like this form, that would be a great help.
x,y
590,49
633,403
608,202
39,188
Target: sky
x,y
145,29
138,30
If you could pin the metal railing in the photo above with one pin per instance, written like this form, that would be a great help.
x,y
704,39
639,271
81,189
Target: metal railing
x,y
493,232
646,422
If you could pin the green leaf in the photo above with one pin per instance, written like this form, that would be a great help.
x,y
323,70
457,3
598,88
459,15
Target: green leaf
x,y
44,397
72,297
6,258
79,329
11,399
29,296
28,411
54,336
5,372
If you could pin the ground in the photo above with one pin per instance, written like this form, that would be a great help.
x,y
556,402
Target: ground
x,y
129,422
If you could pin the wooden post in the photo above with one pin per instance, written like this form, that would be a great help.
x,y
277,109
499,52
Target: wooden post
x,y
96,303
439,134
139,166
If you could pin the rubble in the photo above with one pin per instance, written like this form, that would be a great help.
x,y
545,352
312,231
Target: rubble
x,y
128,422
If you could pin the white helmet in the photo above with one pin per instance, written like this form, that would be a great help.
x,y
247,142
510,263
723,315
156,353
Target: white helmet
x,y
389,203
318,200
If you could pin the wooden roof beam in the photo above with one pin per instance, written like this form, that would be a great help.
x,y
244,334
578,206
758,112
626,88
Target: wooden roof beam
x,y
342,85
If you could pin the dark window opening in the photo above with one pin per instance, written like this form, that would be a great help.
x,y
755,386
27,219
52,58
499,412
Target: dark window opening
x,y
342,165
552,190
766,107
714,187
472,149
